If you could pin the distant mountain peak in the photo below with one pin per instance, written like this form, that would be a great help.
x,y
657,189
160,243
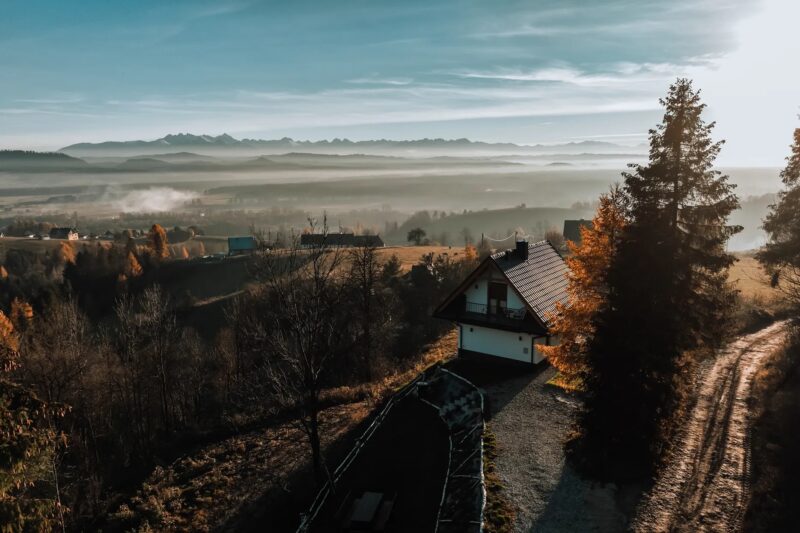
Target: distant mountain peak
x,y
226,142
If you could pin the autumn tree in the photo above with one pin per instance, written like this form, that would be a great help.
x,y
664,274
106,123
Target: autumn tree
x,y
158,242
132,267
470,253
668,289
781,255
589,263
65,253
28,484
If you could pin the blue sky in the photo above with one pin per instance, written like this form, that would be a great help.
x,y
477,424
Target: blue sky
x,y
520,71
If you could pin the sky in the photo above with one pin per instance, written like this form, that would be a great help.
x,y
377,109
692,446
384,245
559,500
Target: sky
x,y
535,71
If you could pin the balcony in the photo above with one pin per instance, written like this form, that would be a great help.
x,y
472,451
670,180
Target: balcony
x,y
482,314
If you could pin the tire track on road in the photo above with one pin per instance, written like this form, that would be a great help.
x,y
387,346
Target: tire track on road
x,y
704,485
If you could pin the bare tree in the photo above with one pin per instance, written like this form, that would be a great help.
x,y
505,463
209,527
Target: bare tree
x,y
365,273
58,353
298,332
157,323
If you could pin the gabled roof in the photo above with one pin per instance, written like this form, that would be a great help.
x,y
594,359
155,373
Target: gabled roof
x,y
541,279
340,239
61,233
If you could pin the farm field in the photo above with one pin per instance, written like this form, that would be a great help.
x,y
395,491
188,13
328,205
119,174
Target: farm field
x,y
750,279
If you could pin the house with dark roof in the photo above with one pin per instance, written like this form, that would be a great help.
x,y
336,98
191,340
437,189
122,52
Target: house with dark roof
x,y
340,240
70,234
572,229
504,308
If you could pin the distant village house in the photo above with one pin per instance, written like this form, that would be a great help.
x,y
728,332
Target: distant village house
x,y
340,240
504,308
69,234
241,245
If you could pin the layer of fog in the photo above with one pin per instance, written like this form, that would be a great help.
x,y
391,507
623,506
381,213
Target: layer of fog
x,y
151,200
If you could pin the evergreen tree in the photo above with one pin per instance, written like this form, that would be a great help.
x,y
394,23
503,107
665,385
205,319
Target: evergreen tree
x,y
588,263
668,289
781,255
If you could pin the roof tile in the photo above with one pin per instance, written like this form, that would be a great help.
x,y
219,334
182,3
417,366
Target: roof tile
x,y
541,279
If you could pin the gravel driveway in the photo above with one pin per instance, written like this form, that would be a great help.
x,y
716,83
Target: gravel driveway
x,y
531,421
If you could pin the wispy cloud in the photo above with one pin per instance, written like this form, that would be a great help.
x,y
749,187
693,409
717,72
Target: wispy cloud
x,y
221,8
381,81
623,73
52,101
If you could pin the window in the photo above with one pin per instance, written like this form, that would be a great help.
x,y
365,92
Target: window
x,y
498,295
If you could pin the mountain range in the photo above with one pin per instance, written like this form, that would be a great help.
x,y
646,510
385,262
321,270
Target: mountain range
x,y
226,144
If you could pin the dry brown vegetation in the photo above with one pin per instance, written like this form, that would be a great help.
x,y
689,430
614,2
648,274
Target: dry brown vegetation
x,y
209,488
36,246
409,255
750,278
775,464
499,513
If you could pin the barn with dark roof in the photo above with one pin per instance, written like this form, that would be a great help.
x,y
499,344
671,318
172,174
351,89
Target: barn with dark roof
x,y
505,307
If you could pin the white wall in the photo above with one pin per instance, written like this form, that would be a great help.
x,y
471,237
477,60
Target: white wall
x,y
478,291
514,301
480,294
499,343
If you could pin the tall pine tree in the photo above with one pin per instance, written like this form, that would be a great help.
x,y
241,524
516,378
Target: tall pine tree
x,y
668,289
589,263
781,255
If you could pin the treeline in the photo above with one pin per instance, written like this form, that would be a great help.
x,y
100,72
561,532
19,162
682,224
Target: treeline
x,y
649,290
124,385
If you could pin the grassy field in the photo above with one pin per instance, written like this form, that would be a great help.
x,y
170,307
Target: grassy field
x,y
750,279
35,246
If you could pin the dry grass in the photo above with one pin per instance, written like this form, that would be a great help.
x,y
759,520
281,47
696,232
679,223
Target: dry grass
x,y
203,491
207,489
437,352
36,246
410,255
751,279
566,384
776,467
499,513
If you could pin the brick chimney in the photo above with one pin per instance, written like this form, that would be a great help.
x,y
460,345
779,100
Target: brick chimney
x,y
522,250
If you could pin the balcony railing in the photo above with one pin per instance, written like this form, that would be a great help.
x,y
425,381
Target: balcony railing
x,y
500,312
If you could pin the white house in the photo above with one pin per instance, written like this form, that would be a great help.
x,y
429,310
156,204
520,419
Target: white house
x,y
503,308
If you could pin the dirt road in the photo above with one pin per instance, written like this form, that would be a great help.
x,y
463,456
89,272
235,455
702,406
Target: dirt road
x,y
704,486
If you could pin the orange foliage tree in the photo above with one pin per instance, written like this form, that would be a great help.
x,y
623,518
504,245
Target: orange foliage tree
x,y
158,242
470,253
28,494
588,269
65,253
132,266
